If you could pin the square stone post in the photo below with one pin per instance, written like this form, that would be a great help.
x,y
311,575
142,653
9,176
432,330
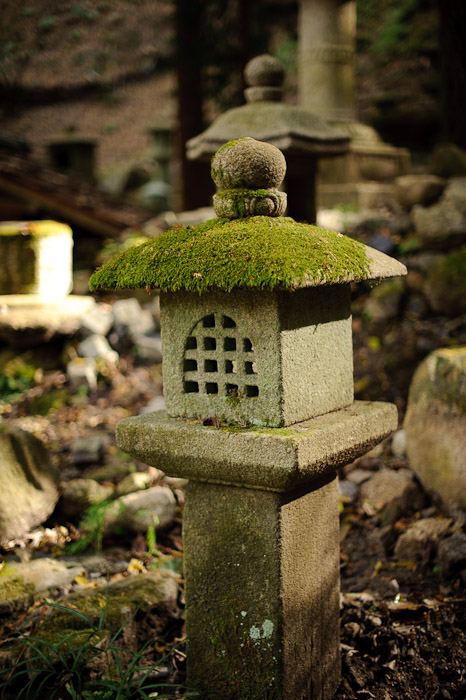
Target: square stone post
x,y
262,591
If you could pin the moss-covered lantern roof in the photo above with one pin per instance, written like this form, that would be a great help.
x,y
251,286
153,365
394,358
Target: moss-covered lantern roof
x,y
250,245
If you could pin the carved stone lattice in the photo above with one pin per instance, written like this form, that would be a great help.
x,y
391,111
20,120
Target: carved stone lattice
x,y
219,360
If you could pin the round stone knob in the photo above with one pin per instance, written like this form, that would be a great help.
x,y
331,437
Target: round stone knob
x,y
264,70
265,75
248,163
247,173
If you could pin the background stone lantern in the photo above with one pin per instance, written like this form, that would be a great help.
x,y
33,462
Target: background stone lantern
x,y
258,382
302,136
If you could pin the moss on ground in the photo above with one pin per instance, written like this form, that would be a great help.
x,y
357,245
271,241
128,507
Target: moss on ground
x,y
15,593
258,252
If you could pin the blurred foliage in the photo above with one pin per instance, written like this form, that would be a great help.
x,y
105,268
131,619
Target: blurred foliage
x,y
17,373
391,28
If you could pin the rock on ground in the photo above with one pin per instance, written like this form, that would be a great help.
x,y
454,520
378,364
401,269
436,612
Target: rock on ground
x,y
414,189
138,511
415,543
444,223
133,482
29,487
387,487
79,494
452,555
22,583
384,300
435,425
445,287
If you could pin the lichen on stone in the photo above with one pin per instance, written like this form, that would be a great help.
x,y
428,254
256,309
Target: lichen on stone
x,y
258,252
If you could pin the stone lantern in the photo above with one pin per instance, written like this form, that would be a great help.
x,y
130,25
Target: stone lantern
x,y
302,136
256,331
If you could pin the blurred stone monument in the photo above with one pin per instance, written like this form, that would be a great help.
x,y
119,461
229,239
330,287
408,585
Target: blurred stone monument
x,y
303,137
365,175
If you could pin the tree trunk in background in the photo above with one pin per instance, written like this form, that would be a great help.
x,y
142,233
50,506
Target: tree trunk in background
x,y
244,22
452,14
188,24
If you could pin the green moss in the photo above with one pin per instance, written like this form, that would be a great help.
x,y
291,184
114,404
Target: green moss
x,y
258,252
118,603
15,594
238,197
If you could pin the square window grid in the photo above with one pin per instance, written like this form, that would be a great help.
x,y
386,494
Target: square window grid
x,y
219,360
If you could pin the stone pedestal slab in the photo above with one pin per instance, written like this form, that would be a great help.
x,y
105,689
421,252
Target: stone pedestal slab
x,y
280,459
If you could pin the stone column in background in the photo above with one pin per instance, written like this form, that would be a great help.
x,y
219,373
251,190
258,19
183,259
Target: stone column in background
x,y
327,30
364,176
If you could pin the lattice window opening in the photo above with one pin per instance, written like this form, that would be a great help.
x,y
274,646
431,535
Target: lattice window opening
x,y
219,360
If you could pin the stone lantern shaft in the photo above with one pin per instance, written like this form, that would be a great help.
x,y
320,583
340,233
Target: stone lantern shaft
x,y
260,414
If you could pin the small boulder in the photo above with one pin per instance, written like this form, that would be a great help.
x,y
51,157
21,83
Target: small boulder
x,y
22,583
80,494
29,489
87,449
111,472
98,320
398,445
138,511
452,555
149,348
435,425
444,223
349,491
137,481
448,160
384,300
424,534
97,346
387,487
418,189
82,371
446,284
155,404
129,313
109,613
